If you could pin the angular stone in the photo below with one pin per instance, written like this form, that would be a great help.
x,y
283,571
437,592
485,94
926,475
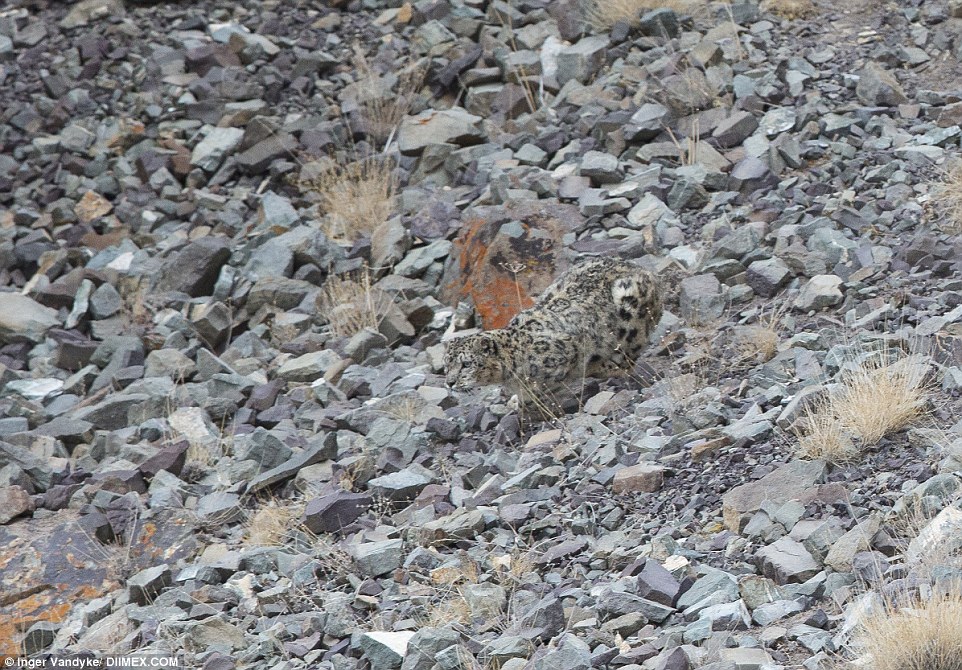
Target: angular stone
x,y
378,558
450,126
23,319
146,585
657,584
308,367
14,501
844,549
210,152
385,650
819,292
662,22
193,270
582,60
878,87
768,276
259,157
330,513
643,477
92,206
220,507
702,299
795,480
405,484
649,121
735,129
169,363
324,447
786,561
427,643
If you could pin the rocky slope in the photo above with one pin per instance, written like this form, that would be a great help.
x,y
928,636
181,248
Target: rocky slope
x,y
200,455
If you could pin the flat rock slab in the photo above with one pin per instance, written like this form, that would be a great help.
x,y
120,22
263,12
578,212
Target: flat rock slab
x,y
787,561
23,319
526,236
52,564
793,481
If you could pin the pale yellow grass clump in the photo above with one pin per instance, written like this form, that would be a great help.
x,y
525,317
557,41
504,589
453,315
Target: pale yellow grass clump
x,y
355,198
601,15
789,9
873,399
947,198
352,304
385,100
270,524
926,634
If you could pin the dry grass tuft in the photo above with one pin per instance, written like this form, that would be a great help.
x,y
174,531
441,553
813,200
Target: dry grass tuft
x,y
924,634
789,9
351,304
947,197
601,15
384,100
270,524
871,400
355,198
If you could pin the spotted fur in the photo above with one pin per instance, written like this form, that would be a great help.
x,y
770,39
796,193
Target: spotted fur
x,y
594,321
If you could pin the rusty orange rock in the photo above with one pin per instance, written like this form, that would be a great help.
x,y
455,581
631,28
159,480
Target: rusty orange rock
x,y
506,255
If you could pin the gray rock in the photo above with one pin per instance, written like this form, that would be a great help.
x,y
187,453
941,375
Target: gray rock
x,y
786,561
844,549
220,507
323,447
702,299
793,481
819,292
385,650
735,129
425,645
571,653
261,155
211,151
462,524
14,501
23,319
450,126
377,558
601,167
661,22
38,637
751,174
330,513
484,600
712,587
767,277
213,322
657,584
582,60
193,270
769,613
263,447
879,88
308,367
643,477
112,412
105,302
726,616
276,213
405,484
648,122
169,363
146,585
